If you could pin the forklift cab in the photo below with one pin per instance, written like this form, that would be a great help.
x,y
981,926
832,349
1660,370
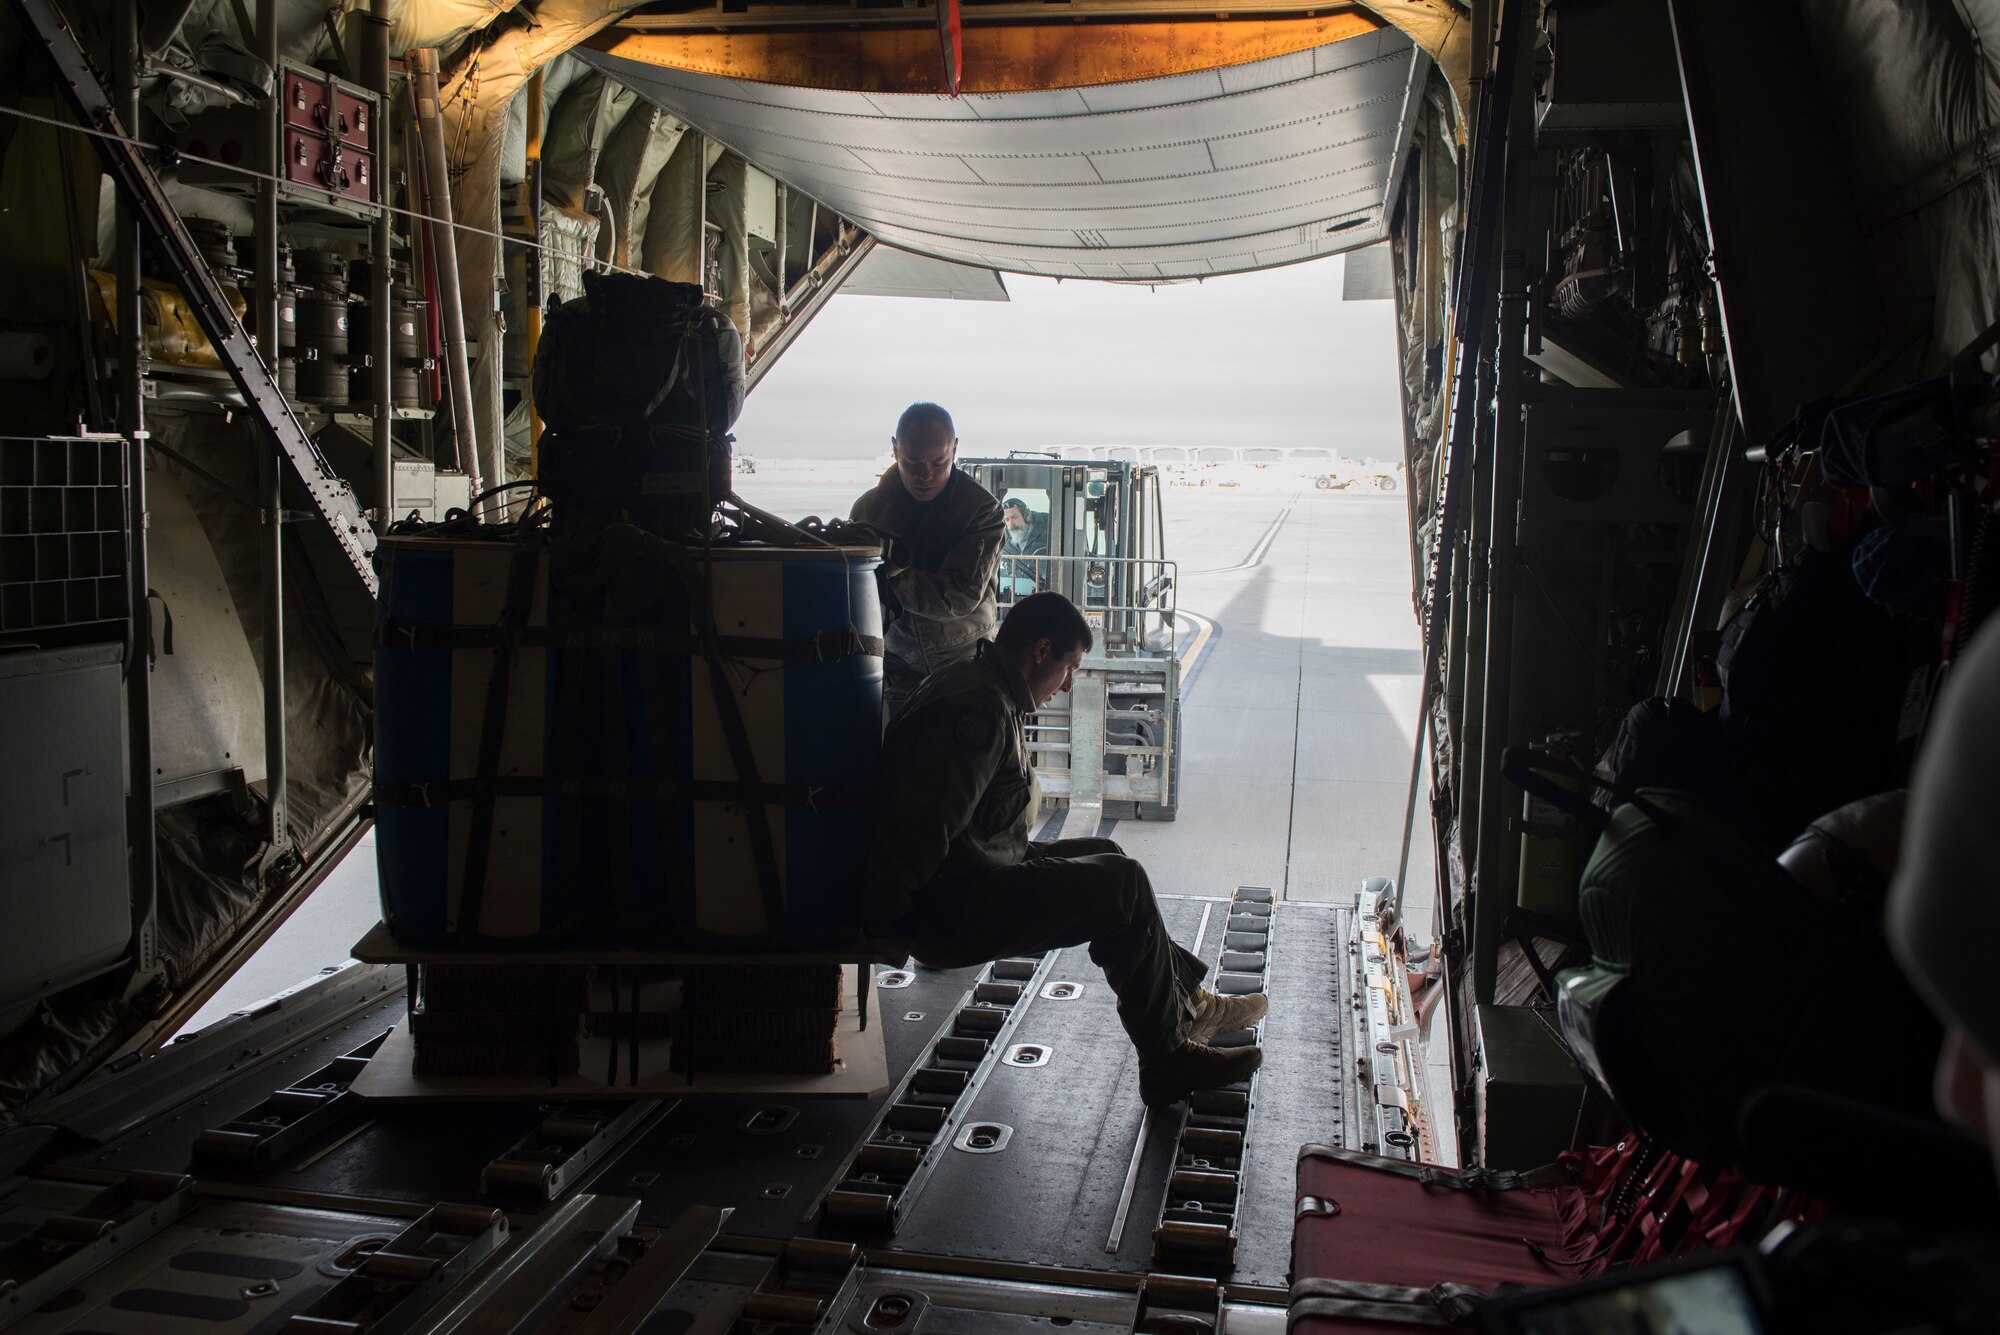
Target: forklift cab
x,y
1093,531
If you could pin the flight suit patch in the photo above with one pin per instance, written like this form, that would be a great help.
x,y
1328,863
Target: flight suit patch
x,y
974,730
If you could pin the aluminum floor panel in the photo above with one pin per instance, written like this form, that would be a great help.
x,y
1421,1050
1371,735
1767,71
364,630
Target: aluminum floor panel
x,y
421,1154
700,1307
933,1303
708,1152
409,1154
415,1155
1049,1197
229,1268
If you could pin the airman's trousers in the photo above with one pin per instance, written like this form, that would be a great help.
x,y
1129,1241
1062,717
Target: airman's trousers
x,y
1067,893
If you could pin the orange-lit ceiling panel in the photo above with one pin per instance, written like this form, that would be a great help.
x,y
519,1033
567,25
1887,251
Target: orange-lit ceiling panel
x,y
997,59
1215,171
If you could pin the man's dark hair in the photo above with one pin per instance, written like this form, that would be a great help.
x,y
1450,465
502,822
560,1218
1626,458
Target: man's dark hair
x,y
1044,614
920,415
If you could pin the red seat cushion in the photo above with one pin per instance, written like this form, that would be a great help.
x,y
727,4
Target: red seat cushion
x,y
1389,1227
1442,1238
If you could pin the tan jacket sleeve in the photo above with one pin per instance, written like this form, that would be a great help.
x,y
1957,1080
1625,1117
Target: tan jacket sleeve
x,y
965,580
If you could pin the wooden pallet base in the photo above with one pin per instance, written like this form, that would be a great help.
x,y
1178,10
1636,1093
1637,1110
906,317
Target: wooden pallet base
x,y
863,1073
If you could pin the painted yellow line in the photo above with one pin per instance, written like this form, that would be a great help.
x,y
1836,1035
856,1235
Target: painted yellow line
x,y
1204,631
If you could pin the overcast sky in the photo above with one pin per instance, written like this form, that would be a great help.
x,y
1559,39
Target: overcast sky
x,y
1273,358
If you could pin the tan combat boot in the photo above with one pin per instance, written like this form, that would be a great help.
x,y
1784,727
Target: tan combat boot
x,y
1216,1014
1191,1067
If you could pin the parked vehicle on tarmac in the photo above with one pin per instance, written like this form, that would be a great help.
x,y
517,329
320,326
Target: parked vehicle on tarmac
x,y
1361,475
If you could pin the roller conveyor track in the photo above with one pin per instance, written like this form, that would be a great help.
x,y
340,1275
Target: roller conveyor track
x,y
403,1159
1198,1219
770,1161
1051,1197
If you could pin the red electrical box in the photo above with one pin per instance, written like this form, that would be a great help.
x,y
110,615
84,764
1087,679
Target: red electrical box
x,y
326,149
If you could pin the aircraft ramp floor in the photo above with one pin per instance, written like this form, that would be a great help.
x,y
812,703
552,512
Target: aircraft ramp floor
x,y
1069,1199
1052,1196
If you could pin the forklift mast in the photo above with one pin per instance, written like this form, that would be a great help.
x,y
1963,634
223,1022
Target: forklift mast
x,y
1093,531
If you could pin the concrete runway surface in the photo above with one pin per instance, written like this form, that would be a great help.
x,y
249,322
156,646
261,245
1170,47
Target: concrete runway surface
x,y
1299,714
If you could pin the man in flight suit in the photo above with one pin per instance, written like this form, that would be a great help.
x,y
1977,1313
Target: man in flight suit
x,y
938,571
956,877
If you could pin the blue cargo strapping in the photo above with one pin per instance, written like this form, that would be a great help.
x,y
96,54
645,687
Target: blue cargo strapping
x,y
620,811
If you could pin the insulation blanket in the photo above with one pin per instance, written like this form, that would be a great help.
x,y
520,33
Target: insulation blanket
x,y
1914,88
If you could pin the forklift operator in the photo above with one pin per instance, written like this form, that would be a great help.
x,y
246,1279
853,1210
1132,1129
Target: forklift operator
x,y
939,565
1027,530
956,878
1027,535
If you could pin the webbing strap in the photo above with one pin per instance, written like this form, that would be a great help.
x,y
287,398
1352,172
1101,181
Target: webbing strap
x,y
1653,1220
1467,1179
1635,1185
621,789
1361,1309
683,364
1725,1233
579,715
526,561
617,764
826,647
1439,1305
729,712
661,718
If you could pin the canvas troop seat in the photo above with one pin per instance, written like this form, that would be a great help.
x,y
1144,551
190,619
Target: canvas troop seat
x,y
1382,1244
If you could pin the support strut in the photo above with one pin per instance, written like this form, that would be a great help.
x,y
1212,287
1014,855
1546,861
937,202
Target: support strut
x,y
331,496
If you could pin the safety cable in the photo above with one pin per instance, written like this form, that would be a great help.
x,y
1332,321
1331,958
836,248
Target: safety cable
x,y
177,154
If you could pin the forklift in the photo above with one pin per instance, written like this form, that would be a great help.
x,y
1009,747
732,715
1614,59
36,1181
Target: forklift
x,y
1094,531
